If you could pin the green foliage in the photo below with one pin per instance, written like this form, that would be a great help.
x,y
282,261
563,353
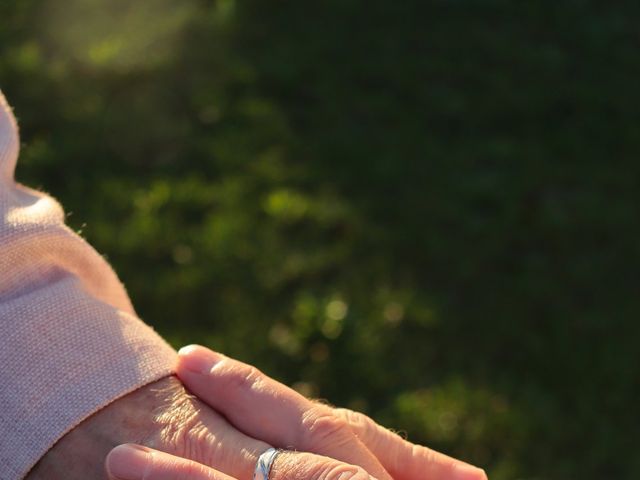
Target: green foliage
x,y
426,210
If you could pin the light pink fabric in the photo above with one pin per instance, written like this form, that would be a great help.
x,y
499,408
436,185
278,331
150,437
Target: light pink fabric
x,y
70,341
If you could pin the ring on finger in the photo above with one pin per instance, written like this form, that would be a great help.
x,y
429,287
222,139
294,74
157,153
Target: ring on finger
x,y
265,463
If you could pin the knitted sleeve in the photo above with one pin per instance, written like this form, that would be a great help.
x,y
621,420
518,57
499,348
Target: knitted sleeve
x,y
70,340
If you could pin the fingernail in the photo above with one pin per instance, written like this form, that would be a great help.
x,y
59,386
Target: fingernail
x,y
468,472
128,462
198,359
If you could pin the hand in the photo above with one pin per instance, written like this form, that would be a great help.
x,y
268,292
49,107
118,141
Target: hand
x,y
135,462
164,416
266,409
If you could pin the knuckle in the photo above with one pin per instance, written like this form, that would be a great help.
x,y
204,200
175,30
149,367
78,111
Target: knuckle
x,y
424,454
343,471
190,441
242,377
193,470
320,426
372,434
308,466
356,420
181,431
361,425
410,454
176,424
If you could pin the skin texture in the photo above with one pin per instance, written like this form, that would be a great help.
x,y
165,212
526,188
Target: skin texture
x,y
165,417
265,408
151,416
328,444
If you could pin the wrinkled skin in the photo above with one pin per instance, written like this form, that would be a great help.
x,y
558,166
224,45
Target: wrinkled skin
x,y
323,443
161,415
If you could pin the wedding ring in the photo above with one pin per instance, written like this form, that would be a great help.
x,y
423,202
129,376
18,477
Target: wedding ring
x,y
264,464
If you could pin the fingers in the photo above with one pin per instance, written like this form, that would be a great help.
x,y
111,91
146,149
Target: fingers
x,y
308,466
187,428
404,460
134,462
263,408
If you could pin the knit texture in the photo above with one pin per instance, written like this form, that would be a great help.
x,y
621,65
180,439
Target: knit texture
x,y
70,341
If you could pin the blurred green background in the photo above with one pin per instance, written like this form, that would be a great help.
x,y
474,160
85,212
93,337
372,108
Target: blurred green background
x,y
425,210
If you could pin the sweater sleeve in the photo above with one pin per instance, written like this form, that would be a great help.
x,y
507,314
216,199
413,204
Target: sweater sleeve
x,y
70,340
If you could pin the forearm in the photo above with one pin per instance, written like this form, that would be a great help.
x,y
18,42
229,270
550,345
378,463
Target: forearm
x,y
70,341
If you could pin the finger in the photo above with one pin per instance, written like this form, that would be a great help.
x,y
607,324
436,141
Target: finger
x,y
266,409
308,466
135,462
405,460
194,431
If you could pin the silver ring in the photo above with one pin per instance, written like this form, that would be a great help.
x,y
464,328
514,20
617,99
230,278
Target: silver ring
x,y
264,464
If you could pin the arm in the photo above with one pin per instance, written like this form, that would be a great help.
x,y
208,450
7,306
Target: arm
x,y
70,341
71,344
179,428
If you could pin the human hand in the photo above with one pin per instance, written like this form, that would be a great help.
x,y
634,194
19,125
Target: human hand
x,y
266,409
165,417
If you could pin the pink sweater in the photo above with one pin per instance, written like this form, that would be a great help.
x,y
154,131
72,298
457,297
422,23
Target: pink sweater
x,y
70,340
